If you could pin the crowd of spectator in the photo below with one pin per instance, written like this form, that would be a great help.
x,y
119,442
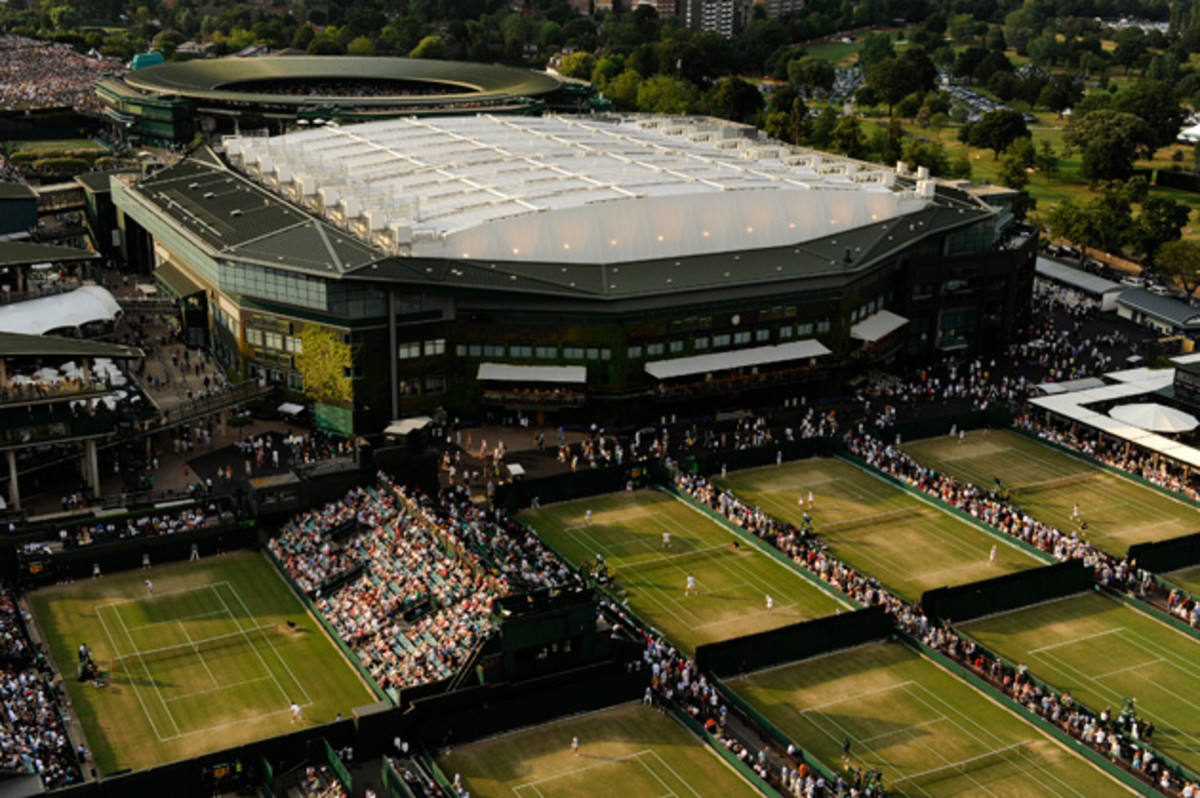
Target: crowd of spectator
x,y
308,547
12,632
162,522
39,74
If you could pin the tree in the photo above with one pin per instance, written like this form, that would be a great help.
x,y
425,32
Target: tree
x,y
848,138
810,73
1013,175
362,45
1181,260
1061,93
1160,222
578,65
326,44
893,142
1103,222
623,90
429,47
1110,142
876,47
1156,104
998,129
324,364
1046,161
734,99
663,94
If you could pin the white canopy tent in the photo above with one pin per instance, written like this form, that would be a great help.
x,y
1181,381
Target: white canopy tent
x,y
506,372
406,425
76,308
1155,417
290,408
738,358
877,325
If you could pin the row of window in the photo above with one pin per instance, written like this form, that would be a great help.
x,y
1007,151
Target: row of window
x,y
415,349
278,342
538,352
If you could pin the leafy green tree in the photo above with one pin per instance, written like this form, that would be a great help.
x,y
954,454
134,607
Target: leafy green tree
x,y
821,130
326,44
361,46
1156,104
324,365
1180,260
1160,221
429,47
623,90
1060,93
810,73
876,47
996,130
848,138
1110,142
664,94
734,99
893,142
579,65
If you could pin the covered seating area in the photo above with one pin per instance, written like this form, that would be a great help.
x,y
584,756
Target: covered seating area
x,y
87,308
760,365
532,387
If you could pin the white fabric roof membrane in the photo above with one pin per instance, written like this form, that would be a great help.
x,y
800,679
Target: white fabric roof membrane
x,y
877,325
1155,417
574,189
738,358
73,309
1183,360
511,373
1067,386
406,425
1076,278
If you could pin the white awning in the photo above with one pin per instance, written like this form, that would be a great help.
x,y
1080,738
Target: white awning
x,y
510,373
73,309
406,425
1067,386
877,325
515,469
291,408
738,358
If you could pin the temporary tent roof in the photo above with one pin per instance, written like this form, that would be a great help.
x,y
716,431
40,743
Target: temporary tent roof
x,y
406,425
291,408
1156,417
877,326
738,358
510,373
86,304
1076,278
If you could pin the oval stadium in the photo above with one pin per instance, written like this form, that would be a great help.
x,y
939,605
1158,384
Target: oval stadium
x,y
167,105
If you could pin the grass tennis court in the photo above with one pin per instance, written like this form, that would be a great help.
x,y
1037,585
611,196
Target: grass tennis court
x,y
1187,578
1103,651
909,545
1048,484
204,663
627,750
929,732
732,585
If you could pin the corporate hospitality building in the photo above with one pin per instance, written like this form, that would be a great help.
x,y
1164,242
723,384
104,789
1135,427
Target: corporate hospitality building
x,y
606,265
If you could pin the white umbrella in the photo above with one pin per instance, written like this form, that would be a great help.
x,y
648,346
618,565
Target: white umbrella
x,y
48,374
1155,417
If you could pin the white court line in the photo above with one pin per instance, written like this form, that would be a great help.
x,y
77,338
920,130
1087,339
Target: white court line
x,y
545,779
196,648
287,698
307,698
1154,661
149,678
128,675
835,702
219,688
183,618
138,600
905,730
1073,640
682,780
658,778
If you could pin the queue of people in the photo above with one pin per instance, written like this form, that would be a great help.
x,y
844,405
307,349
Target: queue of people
x,y
40,74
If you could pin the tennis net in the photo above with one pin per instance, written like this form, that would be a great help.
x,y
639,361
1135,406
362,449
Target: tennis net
x,y
875,519
1055,484
965,767
191,648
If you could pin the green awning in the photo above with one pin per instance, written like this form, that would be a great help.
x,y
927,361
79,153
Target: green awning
x,y
174,280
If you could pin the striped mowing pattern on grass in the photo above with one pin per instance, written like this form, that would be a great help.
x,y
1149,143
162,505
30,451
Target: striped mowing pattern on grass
x,y
1103,651
930,733
204,663
731,584
908,544
1048,484
629,750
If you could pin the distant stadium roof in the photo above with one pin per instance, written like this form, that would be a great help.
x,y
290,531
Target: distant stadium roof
x,y
594,190
738,358
73,309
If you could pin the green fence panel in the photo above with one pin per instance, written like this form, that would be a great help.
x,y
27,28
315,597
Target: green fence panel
x,y
393,783
1007,592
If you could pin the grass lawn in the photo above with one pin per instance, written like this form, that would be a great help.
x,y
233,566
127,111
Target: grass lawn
x,y
1048,484
909,545
627,750
205,663
929,732
1102,651
1187,578
58,144
732,585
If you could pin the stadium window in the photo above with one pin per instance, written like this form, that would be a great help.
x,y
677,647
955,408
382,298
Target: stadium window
x,y
593,353
721,340
573,352
435,384
700,343
786,331
606,354
520,351
634,352
545,352
789,312
762,335
352,372
705,323
294,345
460,350
254,337
475,350
675,347
295,381
742,337
436,346
654,349
823,326
804,329
273,340
410,350
493,350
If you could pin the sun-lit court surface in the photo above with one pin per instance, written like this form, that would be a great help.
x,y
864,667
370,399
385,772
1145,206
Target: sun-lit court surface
x,y
731,583
1104,652
205,661
908,544
630,750
1050,484
930,733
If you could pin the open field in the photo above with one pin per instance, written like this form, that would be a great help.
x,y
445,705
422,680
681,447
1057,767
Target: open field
x,y
1103,652
908,717
1187,578
909,545
627,750
58,144
205,662
732,584
1048,484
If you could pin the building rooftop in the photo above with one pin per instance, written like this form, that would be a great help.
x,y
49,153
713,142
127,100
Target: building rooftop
x,y
579,190
23,253
1163,308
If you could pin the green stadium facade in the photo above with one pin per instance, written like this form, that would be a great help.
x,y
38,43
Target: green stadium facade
x,y
605,267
